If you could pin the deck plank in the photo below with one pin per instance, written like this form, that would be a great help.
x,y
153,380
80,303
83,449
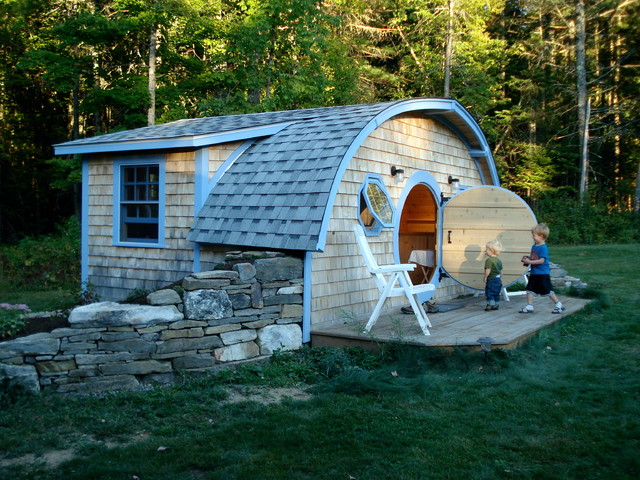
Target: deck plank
x,y
456,328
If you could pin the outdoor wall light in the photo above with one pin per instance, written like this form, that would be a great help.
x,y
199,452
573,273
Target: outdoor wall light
x,y
455,183
397,174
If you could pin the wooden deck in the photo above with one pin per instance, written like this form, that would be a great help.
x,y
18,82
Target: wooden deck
x,y
460,324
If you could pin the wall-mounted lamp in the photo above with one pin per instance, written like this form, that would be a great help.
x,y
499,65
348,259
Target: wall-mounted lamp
x,y
455,183
397,174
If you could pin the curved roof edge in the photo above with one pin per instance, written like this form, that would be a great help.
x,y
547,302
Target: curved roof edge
x,y
458,119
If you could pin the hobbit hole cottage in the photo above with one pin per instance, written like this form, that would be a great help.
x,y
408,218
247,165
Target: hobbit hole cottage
x,y
161,203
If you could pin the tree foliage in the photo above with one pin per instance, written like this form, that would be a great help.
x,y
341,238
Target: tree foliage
x,y
71,69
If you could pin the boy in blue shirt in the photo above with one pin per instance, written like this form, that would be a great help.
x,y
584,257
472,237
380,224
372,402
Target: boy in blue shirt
x,y
539,277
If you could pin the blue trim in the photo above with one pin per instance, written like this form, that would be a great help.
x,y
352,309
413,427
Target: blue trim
x,y
196,258
139,160
484,152
306,298
201,178
429,106
164,144
84,227
379,223
227,164
203,185
473,153
419,178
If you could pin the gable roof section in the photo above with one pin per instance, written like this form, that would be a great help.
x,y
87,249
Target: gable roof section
x,y
279,192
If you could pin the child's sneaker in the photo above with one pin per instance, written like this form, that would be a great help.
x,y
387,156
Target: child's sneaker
x,y
558,310
526,309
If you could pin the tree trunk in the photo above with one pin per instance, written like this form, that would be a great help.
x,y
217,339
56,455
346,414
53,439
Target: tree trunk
x,y
448,51
583,103
153,47
75,127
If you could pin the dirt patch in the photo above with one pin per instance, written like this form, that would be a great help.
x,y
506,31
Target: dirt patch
x,y
237,394
40,322
265,395
51,459
54,458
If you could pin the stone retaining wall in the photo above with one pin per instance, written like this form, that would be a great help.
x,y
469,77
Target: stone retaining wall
x,y
223,316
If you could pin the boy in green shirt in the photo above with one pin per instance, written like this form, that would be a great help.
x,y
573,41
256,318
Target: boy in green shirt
x,y
492,273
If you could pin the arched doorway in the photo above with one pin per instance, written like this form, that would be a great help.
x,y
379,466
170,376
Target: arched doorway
x,y
417,233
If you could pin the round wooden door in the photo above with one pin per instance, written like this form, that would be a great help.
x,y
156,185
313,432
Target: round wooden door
x,y
476,216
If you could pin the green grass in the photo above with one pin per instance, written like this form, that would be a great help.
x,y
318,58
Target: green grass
x,y
565,406
38,301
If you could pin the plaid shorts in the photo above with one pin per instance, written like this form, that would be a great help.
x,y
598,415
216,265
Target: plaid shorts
x,y
540,285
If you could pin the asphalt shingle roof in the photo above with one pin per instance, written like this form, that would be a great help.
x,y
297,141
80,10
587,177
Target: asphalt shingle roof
x,y
191,127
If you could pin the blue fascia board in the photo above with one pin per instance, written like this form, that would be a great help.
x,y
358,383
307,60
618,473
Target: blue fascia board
x,y
169,143
306,297
84,227
201,178
477,153
226,165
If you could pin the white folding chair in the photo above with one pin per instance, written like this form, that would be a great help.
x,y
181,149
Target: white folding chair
x,y
506,294
387,277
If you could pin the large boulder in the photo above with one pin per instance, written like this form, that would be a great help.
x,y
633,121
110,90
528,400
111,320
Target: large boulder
x,y
112,314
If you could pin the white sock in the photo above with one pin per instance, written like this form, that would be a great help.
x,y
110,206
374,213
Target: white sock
x,y
559,305
529,307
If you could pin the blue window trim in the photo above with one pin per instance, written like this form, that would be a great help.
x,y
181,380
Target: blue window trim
x,y
379,223
117,184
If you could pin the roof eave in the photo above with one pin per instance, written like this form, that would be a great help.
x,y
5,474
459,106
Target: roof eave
x,y
197,141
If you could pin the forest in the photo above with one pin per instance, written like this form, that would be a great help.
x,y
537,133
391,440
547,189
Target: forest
x,y
554,84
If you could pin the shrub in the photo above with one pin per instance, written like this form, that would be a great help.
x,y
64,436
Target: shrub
x,y
306,365
575,222
11,392
47,262
11,319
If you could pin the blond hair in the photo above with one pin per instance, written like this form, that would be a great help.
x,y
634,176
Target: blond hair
x,y
495,246
542,230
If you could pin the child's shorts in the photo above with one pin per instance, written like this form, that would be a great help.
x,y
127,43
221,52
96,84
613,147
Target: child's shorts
x,y
540,285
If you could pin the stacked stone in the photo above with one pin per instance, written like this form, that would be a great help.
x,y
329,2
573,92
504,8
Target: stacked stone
x,y
561,278
224,316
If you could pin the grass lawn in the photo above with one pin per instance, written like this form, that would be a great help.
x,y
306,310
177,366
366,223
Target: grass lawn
x,y
37,301
565,406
